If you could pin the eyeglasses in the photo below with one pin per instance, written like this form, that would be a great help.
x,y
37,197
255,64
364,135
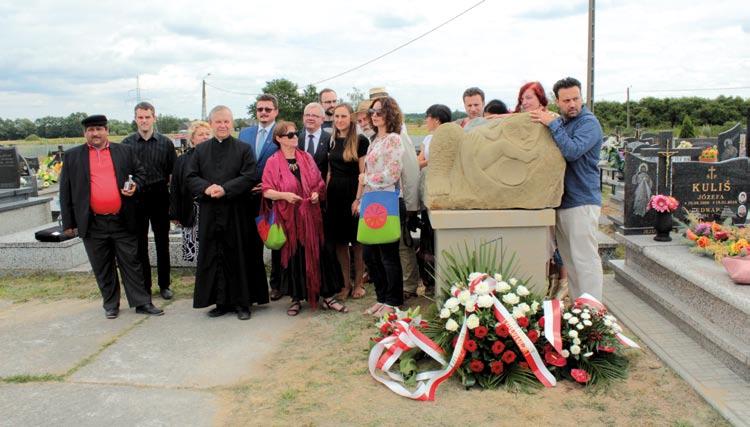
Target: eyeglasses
x,y
264,109
289,135
374,112
313,116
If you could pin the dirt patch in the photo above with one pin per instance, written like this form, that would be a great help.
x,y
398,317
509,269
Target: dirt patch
x,y
319,377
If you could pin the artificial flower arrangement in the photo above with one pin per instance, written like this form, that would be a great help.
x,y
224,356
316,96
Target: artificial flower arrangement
x,y
716,240
49,171
493,331
685,144
709,154
663,203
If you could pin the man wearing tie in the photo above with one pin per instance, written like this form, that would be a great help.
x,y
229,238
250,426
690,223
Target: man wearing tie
x,y
260,140
313,138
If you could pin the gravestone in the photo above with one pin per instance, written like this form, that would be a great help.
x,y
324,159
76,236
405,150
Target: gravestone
x,y
641,178
714,191
665,137
9,166
729,143
33,163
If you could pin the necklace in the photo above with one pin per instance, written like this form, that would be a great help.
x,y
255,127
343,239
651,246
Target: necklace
x,y
293,167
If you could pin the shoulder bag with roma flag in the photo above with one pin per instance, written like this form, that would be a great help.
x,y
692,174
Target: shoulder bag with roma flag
x,y
270,231
378,218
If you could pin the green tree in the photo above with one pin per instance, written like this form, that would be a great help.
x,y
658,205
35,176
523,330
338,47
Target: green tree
x,y
171,124
687,130
291,102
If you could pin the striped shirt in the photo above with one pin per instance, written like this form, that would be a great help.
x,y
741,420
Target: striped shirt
x,y
157,155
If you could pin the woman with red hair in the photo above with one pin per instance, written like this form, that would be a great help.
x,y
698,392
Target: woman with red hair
x,y
531,97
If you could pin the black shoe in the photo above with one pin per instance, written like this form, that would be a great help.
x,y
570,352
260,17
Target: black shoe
x,y
243,313
149,309
166,293
275,295
112,313
218,311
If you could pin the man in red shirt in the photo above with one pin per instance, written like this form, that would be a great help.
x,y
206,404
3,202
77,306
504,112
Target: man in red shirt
x,y
97,184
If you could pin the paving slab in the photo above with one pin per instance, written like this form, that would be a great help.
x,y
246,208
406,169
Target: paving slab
x,y
723,389
52,337
186,348
64,404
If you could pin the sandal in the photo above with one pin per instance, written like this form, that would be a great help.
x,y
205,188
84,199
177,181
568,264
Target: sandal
x,y
344,293
375,307
359,292
294,309
332,304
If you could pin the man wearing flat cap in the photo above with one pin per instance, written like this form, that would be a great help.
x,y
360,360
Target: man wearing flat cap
x,y
97,184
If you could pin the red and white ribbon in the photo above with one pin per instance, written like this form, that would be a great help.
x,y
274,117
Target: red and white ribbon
x,y
589,300
524,344
386,352
552,323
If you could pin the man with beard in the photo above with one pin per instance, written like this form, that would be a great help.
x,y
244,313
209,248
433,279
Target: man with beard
x,y
260,139
328,99
578,135
221,174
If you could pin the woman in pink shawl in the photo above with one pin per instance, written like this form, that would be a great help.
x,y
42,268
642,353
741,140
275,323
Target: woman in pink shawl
x,y
292,180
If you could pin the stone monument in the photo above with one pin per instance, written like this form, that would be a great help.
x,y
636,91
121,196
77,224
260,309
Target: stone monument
x,y
498,181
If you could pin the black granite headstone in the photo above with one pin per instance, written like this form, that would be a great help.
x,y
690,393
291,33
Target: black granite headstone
x,y
729,143
713,190
9,175
33,163
640,185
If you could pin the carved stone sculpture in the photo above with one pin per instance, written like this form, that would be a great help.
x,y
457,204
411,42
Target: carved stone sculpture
x,y
507,163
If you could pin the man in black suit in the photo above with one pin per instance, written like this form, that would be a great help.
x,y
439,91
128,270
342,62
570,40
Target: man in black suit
x,y
313,139
157,155
329,100
97,184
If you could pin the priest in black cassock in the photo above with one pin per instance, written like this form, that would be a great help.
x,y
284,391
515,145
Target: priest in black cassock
x,y
221,174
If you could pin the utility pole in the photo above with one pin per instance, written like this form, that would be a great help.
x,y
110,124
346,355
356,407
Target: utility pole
x,y
590,65
627,106
203,105
137,89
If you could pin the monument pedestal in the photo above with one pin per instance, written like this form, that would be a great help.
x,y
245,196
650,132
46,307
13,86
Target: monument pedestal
x,y
523,232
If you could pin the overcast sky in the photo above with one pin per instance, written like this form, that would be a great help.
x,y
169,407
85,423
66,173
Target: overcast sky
x,y
61,57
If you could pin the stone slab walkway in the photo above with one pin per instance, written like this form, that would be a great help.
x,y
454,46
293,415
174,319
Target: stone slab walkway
x,y
134,370
720,387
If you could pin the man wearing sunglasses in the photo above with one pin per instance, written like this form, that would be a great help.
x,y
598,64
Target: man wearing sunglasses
x,y
260,139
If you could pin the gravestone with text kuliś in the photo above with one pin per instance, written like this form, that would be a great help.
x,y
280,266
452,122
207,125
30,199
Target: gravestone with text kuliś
x,y
9,168
729,143
713,191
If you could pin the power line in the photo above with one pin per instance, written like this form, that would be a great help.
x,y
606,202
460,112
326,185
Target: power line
x,y
231,91
398,47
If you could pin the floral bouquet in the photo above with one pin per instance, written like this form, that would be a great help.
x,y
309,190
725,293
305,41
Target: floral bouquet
x,y
663,203
710,154
49,171
492,355
716,240
498,333
591,339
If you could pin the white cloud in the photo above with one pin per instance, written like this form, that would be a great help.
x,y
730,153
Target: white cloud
x,y
62,57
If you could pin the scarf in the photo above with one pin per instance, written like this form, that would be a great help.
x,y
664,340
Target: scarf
x,y
303,222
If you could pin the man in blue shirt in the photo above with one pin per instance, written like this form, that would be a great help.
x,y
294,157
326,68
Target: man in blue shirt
x,y
578,135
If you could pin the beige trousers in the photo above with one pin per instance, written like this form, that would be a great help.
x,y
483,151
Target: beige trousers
x,y
576,240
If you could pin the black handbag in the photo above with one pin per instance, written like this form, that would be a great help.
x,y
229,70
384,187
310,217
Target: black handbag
x,y
52,234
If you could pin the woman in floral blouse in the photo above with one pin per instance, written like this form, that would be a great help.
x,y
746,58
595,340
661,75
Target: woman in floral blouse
x,y
382,172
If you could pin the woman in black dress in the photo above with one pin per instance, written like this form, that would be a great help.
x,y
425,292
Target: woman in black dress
x,y
183,209
347,161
